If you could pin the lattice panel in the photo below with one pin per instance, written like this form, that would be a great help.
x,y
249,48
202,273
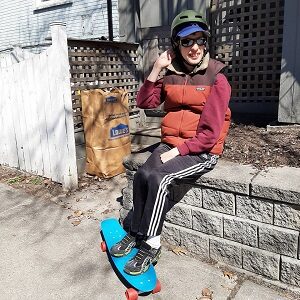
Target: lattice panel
x,y
247,36
99,64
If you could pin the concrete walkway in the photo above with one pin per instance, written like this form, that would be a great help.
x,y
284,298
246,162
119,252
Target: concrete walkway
x,y
44,256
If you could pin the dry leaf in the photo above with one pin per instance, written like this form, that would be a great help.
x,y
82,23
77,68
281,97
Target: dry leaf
x,y
228,274
179,251
206,294
77,222
78,213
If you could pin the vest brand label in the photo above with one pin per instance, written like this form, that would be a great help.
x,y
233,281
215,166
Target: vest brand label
x,y
200,88
119,131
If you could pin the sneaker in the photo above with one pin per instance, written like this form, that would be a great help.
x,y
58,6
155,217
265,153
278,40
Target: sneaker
x,y
123,247
143,259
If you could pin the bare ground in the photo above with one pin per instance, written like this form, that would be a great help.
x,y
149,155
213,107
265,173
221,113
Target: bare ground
x,y
249,144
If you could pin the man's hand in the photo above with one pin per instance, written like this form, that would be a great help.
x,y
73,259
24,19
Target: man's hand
x,y
169,155
163,61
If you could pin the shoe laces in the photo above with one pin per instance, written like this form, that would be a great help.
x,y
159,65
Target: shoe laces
x,y
142,254
125,240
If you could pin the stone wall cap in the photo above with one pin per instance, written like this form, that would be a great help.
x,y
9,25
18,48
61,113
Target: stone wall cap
x,y
229,176
281,183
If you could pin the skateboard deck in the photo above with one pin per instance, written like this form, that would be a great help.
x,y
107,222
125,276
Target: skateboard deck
x,y
112,233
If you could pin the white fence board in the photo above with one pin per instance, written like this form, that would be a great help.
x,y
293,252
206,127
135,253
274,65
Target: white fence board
x,y
37,129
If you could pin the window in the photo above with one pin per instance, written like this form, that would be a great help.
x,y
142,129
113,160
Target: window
x,y
41,4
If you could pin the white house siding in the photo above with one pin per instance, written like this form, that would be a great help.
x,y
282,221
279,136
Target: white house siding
x,y
21,24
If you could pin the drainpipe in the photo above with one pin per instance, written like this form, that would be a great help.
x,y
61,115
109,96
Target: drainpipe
x,y
110,23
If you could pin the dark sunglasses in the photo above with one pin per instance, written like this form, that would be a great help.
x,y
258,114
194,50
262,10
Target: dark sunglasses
x,y
191,42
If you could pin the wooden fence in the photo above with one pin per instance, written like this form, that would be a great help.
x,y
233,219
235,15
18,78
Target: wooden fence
x,y
37,129
102,64
247,36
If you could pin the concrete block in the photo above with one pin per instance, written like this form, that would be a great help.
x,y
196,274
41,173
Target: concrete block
x,y
193,197
240,231
129,174
180,214
127,198
281,184
207,222
278,240
195,242
225,251
287,215
261,262
260,210
133,161
229,176
171,234
218,201
290,270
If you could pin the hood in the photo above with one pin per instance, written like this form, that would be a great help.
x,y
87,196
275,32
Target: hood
x,y
177,67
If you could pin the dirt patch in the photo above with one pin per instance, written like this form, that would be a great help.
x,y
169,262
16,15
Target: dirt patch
x,y
246,144
249,144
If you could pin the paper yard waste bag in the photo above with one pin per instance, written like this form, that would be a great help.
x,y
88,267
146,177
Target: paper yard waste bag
x,y
106,128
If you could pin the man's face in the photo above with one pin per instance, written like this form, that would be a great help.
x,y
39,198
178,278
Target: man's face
x,y
193,53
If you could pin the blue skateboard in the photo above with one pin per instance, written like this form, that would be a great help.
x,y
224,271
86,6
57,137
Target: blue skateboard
x,y
112,232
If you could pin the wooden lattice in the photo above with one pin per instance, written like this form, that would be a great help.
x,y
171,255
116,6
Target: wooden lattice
x,y
102,64
247,36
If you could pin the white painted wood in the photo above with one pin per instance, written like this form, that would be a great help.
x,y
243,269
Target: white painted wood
x,y
12,154
36,117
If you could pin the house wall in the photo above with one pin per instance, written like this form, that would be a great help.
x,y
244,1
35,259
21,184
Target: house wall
x,y
22,24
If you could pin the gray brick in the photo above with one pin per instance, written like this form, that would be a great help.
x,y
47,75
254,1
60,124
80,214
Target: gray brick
x,y
171,234
278,240
287,215
254,209
290,270
193,197
186,193
207,222
272,183
240,231
180,214
261,262
195,242
133,161
218,201
225,251
229,176
127,198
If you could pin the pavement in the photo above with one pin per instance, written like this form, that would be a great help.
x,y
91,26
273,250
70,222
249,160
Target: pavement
x,y
49,249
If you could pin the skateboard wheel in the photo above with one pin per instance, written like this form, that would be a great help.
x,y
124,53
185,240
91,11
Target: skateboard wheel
x,y
157,288
103,246
131,294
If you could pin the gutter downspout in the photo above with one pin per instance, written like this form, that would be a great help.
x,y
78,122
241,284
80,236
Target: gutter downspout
x,y
109,18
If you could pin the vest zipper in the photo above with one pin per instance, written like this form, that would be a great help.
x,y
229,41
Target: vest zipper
x,y
184,86
183,94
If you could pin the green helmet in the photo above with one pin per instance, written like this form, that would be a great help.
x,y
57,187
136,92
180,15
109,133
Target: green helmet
x,y
188,16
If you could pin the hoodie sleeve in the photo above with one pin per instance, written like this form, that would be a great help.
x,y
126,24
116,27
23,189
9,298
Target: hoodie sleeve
x,y
212,119
149,95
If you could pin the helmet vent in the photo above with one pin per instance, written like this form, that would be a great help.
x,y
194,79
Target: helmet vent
x,y
183,17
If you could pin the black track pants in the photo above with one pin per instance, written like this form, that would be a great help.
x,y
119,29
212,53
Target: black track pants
x,y
151,183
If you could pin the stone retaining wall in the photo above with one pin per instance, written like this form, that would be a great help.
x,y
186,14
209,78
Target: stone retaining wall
x,y
236,215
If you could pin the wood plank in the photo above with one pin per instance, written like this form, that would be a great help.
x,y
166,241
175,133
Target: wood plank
x,y
13,151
